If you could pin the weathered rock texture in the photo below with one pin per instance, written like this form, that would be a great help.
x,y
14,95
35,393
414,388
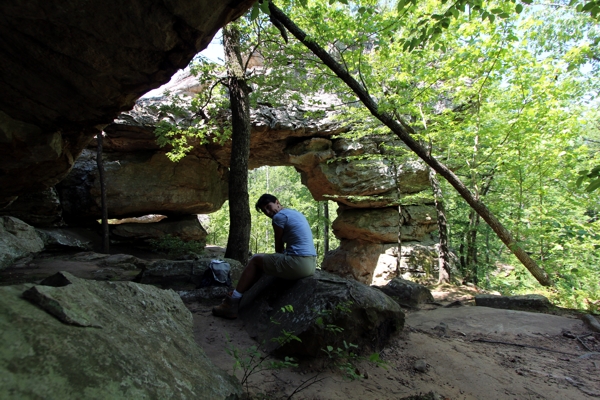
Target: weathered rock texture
x,y
380,225
40,209
187,228
68,68
143,183
526,302
64,238
17,240
377,263
104,340
368,318
407,292
182,274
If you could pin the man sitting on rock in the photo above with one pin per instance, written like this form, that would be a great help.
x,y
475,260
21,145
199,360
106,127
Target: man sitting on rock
x,y
295,260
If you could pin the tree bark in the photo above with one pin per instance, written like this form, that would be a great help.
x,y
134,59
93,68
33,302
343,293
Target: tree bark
x,y
325,226
400,220
404,131
471,262
238,241
443,252
472,249
103,204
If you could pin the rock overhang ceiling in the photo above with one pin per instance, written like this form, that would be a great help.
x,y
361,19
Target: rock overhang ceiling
x,y
68,68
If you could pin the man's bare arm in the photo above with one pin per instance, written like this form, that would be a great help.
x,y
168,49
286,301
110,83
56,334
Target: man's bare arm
x,y
278,238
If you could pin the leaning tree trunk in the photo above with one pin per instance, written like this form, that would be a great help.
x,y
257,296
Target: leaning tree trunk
x,y
444,254
103,204
238,241
403,131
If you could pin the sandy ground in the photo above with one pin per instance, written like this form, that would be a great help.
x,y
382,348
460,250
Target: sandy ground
x,y
449,352
469,352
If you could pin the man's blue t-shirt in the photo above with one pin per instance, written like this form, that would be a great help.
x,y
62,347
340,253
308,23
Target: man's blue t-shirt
x,y
297,235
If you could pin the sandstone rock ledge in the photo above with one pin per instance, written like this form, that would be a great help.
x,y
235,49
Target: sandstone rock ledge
x,y
102,340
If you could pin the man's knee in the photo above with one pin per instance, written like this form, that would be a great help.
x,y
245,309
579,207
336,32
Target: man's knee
x,y
256,261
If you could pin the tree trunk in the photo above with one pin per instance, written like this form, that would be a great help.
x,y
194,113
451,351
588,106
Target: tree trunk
x,y
400,220
103,204
325,226
471,262
472,256
318,229
404,131
444,254
238,241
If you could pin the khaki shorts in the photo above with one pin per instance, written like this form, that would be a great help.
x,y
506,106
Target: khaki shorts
x,y
289,267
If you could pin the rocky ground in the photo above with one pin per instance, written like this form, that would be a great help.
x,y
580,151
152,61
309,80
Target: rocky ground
x,y
447,350
458,352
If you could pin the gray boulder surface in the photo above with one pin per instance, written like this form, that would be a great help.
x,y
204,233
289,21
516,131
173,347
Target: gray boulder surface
x,y
407,292
40,209
182,274
186,228
526,302
368,318
380,225
142,183
102,340
17,240
65,238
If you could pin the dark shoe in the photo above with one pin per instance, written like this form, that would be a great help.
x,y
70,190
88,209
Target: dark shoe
x,y
228,308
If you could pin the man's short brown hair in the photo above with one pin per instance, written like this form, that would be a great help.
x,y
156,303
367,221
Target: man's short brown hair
x,y
264,200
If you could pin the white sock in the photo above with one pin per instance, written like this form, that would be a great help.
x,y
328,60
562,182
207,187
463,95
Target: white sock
x,y
236,295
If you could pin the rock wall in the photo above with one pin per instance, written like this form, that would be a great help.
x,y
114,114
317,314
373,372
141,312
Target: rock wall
x,y
362,175
67,69
141,183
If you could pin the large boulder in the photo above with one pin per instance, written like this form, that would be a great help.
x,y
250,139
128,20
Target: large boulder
x,y
526,302
377,263
406,292
69,68
143,183
182,274
66,239
17,240
380,225
40,209
187,229
273,129
358,174
70,338
327,310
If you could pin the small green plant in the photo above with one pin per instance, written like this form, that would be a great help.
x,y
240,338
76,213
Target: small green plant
x,y
345,359
343,356
251,361
176,247
285,338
